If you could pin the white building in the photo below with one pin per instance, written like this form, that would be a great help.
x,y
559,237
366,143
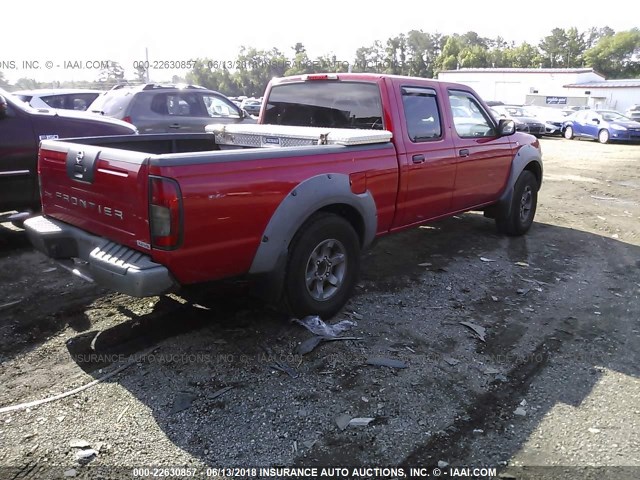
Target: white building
x,y
548,86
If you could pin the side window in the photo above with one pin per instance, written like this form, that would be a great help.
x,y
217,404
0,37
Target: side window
x,y
217,107
469,118
421,113
54,101
80,101
176,105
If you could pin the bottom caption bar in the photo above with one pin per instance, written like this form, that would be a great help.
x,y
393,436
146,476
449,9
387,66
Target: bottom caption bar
x,y
91,472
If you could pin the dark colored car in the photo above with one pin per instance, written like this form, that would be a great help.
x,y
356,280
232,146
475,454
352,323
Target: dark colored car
x,y
21,130
524,120
64,98
155,108
601,125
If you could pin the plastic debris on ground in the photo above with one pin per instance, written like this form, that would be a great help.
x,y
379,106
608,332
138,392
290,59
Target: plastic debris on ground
x,y
317,326
479,331
343,421
85,454
360,421
78,443
451,361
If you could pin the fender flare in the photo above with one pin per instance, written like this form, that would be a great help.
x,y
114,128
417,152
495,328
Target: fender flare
x,y
525,156
300,203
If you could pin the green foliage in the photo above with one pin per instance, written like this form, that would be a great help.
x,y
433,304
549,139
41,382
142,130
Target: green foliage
x,y
553,47
141,73
416,53
616,56
27,84
524,55
111,76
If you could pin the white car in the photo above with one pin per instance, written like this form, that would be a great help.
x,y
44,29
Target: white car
x,y
633,113
553,118
64,98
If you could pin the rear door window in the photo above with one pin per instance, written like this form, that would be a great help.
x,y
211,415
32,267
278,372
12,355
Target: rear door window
x,y
421,114
183,104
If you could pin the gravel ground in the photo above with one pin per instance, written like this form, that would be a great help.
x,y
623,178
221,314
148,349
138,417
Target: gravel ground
x,y
214,380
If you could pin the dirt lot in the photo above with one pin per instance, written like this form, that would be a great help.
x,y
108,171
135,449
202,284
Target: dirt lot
x,y
216,380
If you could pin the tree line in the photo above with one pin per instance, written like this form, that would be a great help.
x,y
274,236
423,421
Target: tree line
x,y
416,53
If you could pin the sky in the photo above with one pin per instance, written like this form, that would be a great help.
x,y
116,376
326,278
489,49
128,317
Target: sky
x,y
67,40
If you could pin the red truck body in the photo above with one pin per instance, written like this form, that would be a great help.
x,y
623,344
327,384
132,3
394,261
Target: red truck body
x,y
223,207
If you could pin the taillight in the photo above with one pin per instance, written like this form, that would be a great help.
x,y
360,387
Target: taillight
x,y
127,119
165,213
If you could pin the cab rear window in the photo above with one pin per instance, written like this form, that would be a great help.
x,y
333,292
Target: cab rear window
x,y
332,104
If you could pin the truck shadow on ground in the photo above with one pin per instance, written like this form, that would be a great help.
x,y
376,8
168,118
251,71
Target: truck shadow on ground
x,y
233,370
12,240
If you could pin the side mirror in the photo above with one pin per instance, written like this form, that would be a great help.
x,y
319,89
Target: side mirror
x,y
506,127
3,107
595,120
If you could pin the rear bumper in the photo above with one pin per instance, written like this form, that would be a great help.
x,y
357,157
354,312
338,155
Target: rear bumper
x,y
98,260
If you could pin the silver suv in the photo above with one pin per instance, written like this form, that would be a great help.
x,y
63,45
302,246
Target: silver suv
x,y
156,108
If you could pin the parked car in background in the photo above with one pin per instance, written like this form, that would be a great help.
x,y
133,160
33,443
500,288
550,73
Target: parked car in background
x,y
63,98
566,111
235,101
524,120
633,113
552,118
252,106
603,125
21,130
156,108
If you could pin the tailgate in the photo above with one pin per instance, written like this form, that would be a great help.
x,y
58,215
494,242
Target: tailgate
x,y
103,191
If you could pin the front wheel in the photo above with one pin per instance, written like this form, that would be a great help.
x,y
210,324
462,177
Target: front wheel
x,y
603,136
523,206
323,266
568,133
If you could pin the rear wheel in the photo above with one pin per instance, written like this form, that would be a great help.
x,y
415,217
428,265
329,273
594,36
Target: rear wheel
x,y
324,262
568,133
603,136
523,206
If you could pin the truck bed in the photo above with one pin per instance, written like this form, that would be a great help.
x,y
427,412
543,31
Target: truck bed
x,y
227,196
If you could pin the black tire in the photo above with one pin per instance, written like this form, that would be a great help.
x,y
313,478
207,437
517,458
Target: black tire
x,y
310,270
568,133
603,136
523,206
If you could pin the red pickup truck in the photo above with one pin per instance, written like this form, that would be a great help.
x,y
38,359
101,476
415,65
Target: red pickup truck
x,y
146,214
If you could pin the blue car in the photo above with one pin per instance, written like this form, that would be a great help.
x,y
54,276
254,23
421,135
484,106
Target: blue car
x,y
603,125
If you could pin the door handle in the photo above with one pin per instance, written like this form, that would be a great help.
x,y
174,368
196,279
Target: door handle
x,y
174,125
464,152
417,159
